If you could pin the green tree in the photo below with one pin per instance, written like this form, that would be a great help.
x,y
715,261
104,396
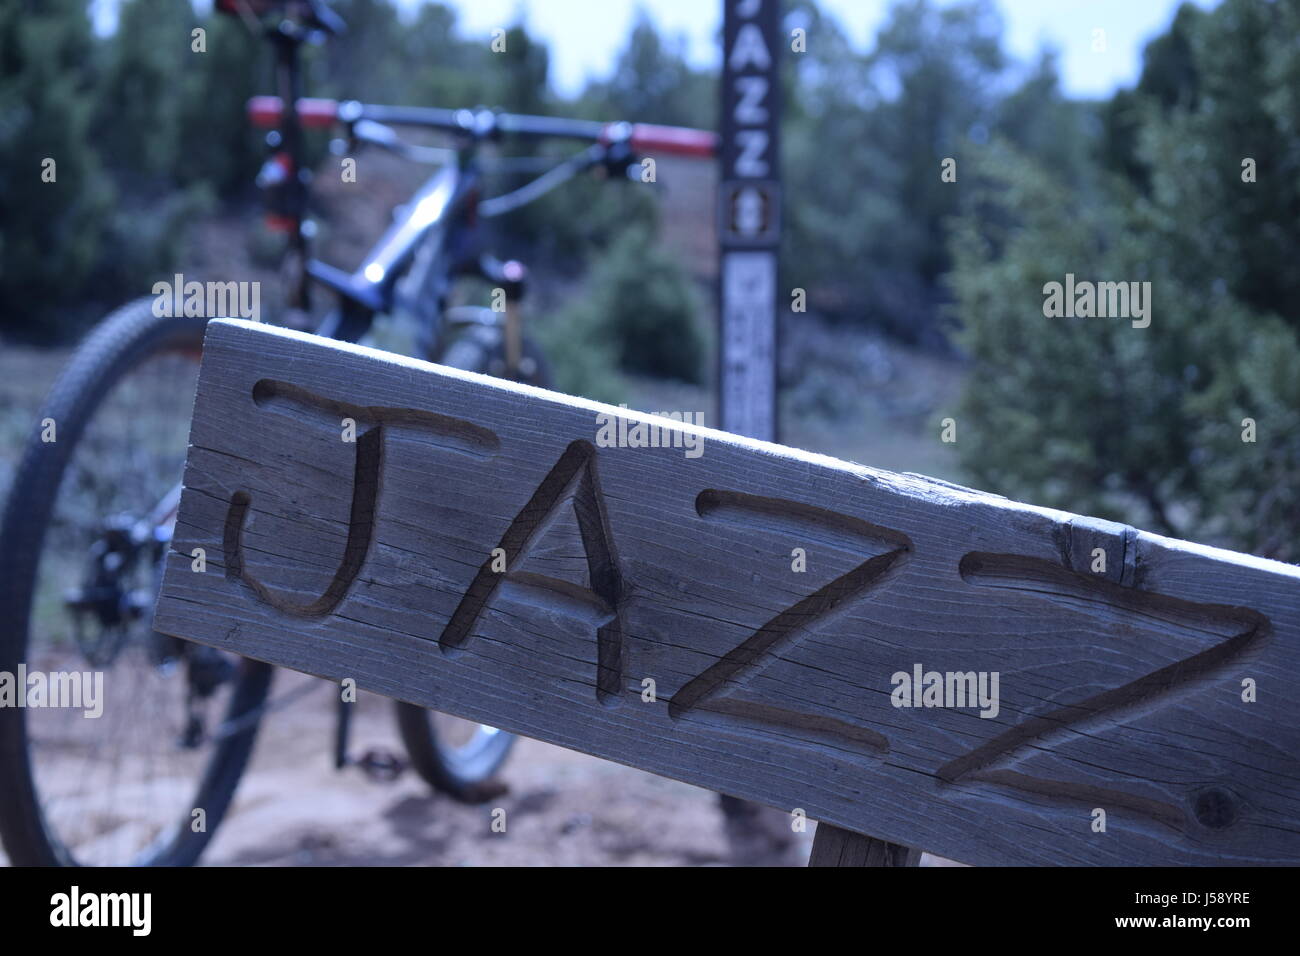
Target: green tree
x,y
638,309
865,137
1085,414
149,75
1038,120
522,73
446,69
52,231
367,62
652,82
152,77
583,216
216,145
1147,425
1168,79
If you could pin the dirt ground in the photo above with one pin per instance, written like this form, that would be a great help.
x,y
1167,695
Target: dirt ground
x,y
561,808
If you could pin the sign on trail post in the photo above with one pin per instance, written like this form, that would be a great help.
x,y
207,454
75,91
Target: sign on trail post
x,y
749,217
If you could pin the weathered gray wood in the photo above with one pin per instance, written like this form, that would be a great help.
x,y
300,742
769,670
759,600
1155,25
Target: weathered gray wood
x,y
1120,689
833,846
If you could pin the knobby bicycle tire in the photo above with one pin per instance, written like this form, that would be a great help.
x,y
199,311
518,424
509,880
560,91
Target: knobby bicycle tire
x,y
123,340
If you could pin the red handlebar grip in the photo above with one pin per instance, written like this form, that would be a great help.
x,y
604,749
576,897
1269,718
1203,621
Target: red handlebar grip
x,y
675,140
264,112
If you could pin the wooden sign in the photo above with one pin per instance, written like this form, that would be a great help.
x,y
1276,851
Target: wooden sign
x,y
935,667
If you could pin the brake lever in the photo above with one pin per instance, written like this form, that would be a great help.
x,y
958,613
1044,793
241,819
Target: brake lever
x,y
618,158
330,22
373,133
376,134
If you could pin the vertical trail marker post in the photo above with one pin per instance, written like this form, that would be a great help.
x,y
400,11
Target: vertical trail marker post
x,y
749,217
749,236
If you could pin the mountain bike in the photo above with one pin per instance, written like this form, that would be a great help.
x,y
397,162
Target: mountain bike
x,y
93,505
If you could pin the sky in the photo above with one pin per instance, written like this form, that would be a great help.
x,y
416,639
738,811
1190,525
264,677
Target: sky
x,y
585,36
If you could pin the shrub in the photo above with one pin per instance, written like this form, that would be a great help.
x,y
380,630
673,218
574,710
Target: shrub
x,y
640,303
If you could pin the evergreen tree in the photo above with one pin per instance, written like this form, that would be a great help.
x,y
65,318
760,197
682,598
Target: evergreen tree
x,y
865,138
653,83
1148,425
52,229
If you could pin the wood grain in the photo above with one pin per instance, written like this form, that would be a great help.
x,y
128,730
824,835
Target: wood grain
x,y
835,847
1120,689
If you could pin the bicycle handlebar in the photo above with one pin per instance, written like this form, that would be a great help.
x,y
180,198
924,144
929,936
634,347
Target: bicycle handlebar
x,y
266,112
674,140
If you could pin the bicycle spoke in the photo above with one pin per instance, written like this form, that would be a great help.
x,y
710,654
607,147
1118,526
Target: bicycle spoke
x,y
112,787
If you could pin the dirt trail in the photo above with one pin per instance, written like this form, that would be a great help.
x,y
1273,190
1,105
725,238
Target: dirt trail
x,y
562,808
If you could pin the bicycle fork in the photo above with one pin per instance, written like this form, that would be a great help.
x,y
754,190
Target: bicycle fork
x,y
509,276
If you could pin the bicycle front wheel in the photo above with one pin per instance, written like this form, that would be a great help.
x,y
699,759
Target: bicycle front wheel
x,y
139,761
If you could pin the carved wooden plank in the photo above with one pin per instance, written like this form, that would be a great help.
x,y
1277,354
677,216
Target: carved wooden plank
x,y
1158,687
835,847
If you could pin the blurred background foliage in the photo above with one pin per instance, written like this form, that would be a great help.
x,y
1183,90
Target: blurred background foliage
x,y
1146,425
1142,425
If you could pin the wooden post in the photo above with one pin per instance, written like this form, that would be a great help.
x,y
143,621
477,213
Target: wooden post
x,y
833,846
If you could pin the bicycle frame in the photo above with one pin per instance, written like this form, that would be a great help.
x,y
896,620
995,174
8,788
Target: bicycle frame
x,y
435,237
411,266
441,209
433,240
434,217
370,289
